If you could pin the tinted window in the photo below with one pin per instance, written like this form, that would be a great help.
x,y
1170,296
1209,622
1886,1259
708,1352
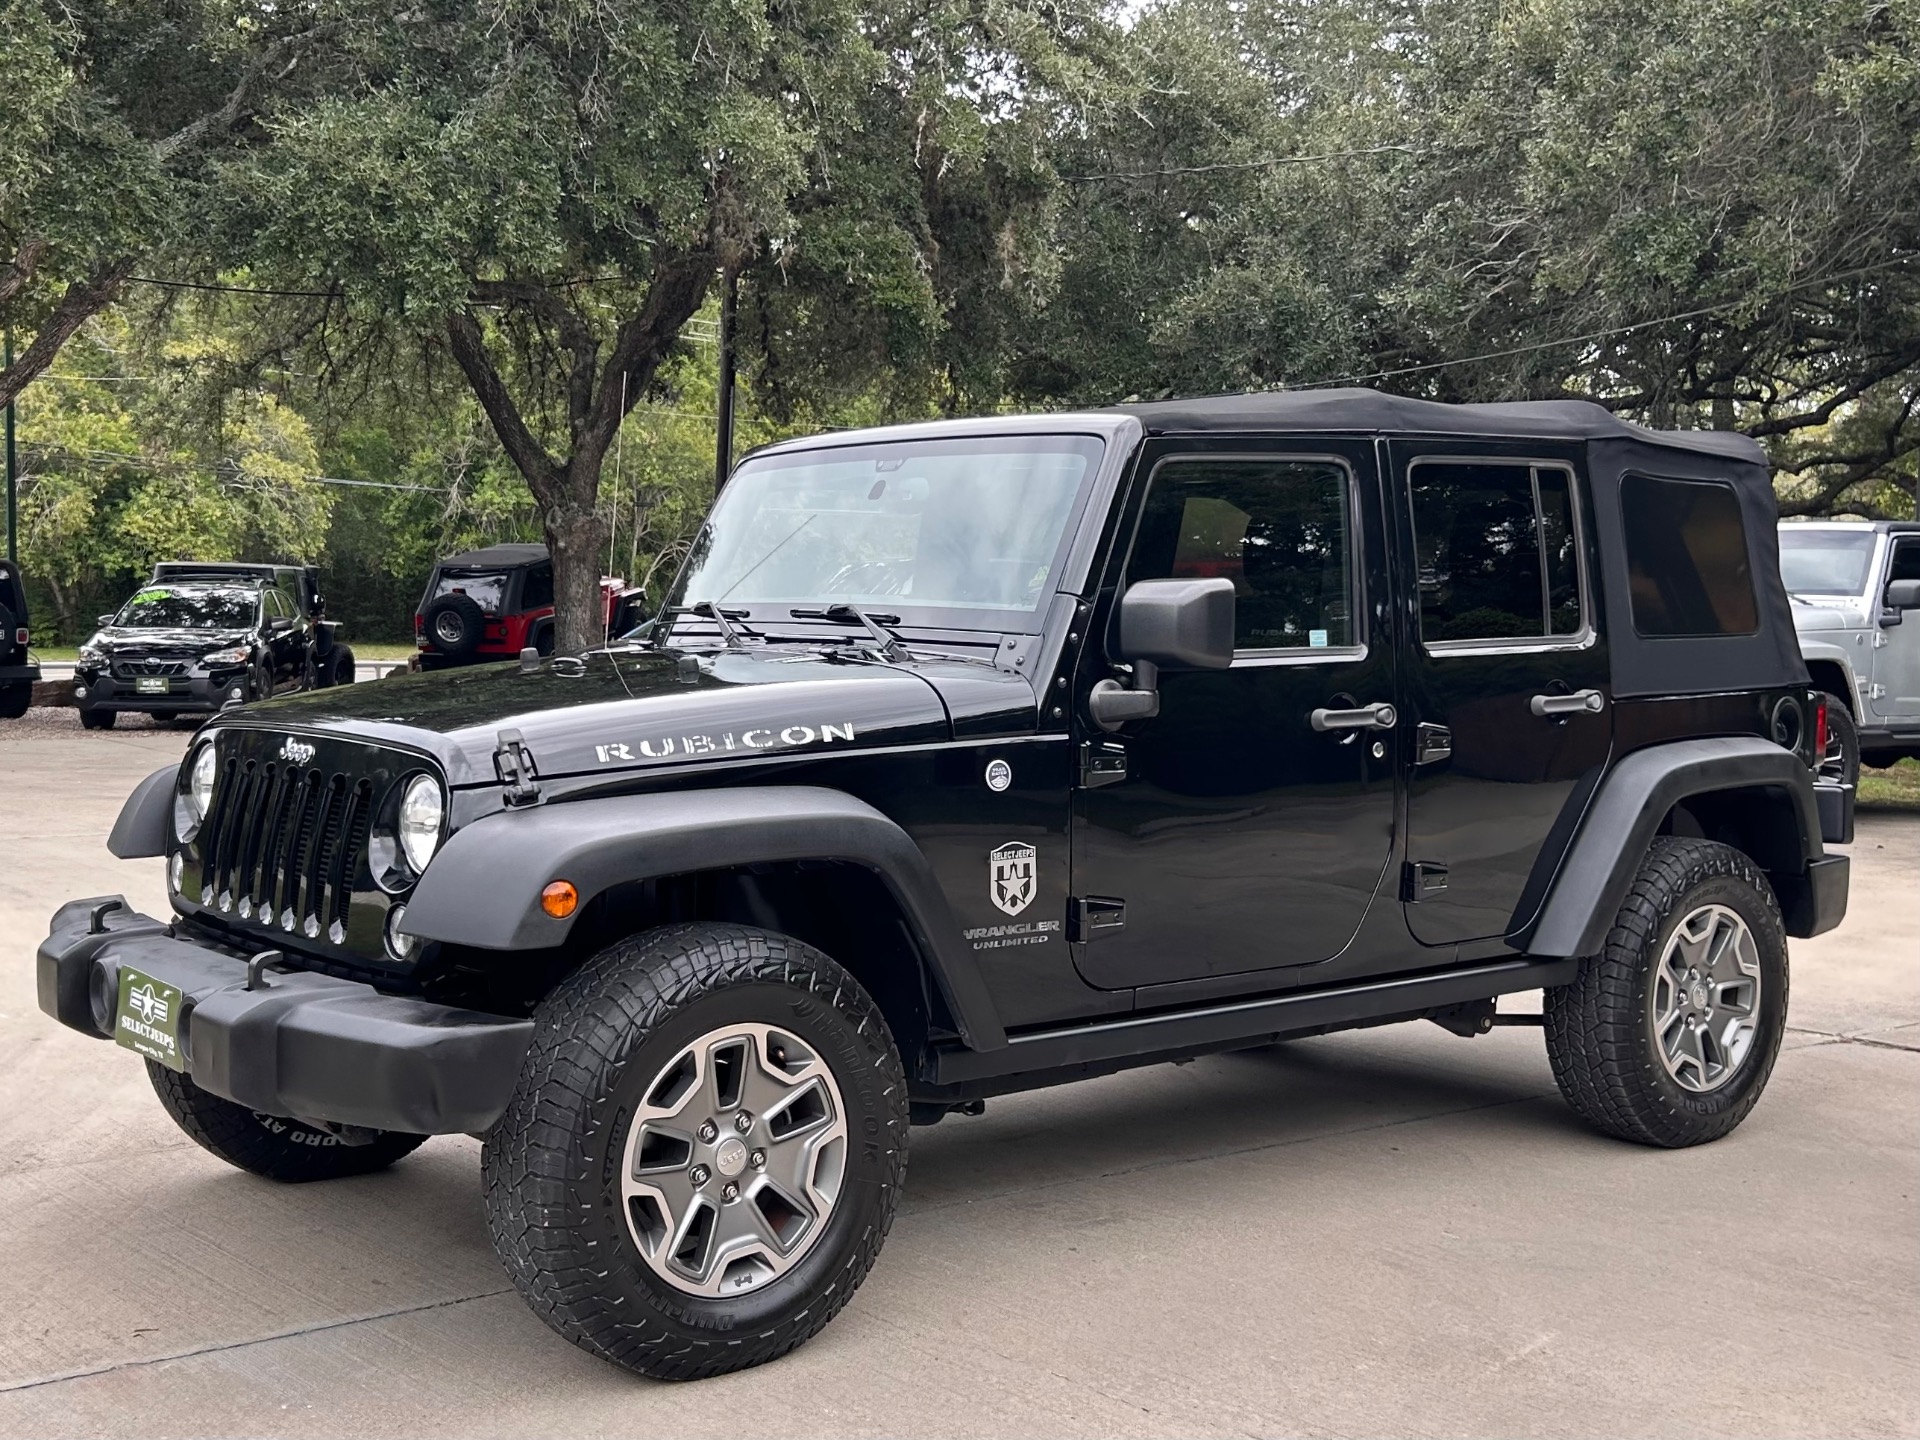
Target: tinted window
x,y
1497,550
1906,561
190,607
1279,529
1687,565
1824,562
536,588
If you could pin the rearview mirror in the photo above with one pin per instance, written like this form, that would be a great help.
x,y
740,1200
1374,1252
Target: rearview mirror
x,y
1182,624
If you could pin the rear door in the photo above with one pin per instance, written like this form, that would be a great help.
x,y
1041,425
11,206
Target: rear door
x,y
1507,678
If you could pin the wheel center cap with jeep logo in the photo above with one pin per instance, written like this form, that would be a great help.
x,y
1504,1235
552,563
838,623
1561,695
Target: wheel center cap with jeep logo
x,y
731,1156
1699,995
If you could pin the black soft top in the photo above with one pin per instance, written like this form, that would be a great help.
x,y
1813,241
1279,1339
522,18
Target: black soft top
x,y
497,557
1613,449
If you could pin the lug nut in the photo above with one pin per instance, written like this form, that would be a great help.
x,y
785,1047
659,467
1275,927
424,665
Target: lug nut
x,y
699,1175
757,1159
707,1131
743,1122
729,1192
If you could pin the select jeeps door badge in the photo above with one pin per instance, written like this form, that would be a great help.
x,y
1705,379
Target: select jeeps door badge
x,y
661,747
1010,873
298,751
999,775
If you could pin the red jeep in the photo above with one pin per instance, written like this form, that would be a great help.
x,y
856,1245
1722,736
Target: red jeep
x,y
491,604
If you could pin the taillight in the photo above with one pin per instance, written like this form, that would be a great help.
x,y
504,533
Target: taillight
x,y
1819,729
20,636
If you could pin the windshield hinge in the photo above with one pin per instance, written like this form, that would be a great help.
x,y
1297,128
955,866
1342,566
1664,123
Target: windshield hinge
x,y
514,766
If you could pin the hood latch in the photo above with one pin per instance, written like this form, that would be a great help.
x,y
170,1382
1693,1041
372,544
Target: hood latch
x,y
514,766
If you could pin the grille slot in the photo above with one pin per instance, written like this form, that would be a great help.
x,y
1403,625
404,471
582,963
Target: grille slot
x,y
282,845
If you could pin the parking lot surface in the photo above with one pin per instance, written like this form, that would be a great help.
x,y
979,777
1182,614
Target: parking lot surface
x,y
1385,1232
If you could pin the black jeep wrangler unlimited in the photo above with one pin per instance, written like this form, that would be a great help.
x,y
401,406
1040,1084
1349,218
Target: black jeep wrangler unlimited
x,y
17,670
978,756
201,636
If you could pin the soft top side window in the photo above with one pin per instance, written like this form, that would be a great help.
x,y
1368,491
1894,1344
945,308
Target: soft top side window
x,y
1688,570
1280,527
536,587
1497,551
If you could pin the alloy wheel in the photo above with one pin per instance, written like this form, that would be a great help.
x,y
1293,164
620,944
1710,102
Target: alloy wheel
x,y
735,1160
1706,998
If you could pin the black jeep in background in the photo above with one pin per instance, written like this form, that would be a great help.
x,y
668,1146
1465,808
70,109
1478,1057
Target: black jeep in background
x,y
199,637
976,756
17,670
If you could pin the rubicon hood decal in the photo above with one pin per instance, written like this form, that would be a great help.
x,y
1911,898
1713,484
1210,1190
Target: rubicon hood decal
x,y
756,738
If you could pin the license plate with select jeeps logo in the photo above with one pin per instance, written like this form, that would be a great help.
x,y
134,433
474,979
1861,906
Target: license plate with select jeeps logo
x,y
147,1019
150,685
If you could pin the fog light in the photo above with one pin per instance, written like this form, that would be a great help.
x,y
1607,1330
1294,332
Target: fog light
x,y
176,868
103,996
237,692
400,947
79,692
560,899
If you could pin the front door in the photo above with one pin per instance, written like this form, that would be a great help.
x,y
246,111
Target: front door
x,y
1896,656
1228,835
1507,680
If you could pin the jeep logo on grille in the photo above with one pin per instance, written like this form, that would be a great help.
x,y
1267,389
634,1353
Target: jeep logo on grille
x,y
298,751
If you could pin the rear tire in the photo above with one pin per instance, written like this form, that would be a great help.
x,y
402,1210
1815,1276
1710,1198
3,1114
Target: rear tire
x,y
287,1150
342,662
15,699
1622,1037
98,719
607,1179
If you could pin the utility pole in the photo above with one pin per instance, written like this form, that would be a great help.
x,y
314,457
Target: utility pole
x,y
13,498
723,439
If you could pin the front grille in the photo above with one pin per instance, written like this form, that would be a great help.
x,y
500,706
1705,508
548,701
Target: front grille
x,y
136,669
282,845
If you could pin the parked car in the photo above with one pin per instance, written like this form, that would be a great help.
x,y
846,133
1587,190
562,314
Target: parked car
x,y
490,604
200,637
17,670
1853,584
975,756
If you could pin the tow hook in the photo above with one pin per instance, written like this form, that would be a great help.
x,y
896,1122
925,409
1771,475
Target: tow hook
x,y
515,767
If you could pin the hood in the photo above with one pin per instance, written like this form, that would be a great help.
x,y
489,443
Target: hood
x,y
1824,614
639,710
120,637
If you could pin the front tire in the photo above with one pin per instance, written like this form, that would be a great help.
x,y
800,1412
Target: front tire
x,y
704,1152
97,719
1841,761
287,1150
1667,1036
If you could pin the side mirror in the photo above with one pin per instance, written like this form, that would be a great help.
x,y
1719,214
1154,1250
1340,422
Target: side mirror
x,y
1182,624
106,619
279,625
1902,595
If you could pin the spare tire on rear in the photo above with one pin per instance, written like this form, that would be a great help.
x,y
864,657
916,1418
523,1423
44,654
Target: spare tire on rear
x,y
454,624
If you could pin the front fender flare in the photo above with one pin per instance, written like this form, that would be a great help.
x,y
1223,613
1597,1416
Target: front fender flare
x,y
483,888
1613,838
141,831
1826,651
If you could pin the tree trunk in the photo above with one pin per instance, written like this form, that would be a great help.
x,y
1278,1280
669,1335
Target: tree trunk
x,y
577,536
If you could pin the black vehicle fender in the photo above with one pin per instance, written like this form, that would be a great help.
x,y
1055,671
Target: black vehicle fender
x,y
483,887
1593,877
140,833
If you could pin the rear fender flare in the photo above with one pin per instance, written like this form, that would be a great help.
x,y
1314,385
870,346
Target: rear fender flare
x,y
483,888
1597,870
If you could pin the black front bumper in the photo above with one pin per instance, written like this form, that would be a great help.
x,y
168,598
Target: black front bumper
x,y
301,1045
193,693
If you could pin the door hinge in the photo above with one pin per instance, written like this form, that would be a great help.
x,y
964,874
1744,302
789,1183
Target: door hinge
x,y
1876,692
1102,762
1422,880
1091,916
1432,743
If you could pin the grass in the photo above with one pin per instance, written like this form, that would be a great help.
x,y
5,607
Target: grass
x,y
1895,788
367,650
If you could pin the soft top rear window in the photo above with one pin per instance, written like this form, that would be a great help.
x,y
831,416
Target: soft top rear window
x,y
486,588
1689,571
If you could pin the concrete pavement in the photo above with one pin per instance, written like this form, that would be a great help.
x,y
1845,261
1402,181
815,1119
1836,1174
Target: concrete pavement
x,y
1387,1232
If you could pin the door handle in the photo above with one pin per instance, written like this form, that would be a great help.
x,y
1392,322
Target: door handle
x,y
1367,717
1580,702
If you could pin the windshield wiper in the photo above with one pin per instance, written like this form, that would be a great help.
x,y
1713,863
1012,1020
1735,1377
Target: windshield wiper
x,y
889,645
729,632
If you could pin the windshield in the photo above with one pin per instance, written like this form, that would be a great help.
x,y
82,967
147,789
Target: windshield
x,y
190,607
955,530
486,588
1825,562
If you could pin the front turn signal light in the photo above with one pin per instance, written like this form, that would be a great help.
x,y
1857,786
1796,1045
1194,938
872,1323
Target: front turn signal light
x,y
560,899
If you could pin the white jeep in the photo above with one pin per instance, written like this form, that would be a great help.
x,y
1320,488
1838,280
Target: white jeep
x,y
1853,584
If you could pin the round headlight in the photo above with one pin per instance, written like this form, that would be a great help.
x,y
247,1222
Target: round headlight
x,y
421,810
200,784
